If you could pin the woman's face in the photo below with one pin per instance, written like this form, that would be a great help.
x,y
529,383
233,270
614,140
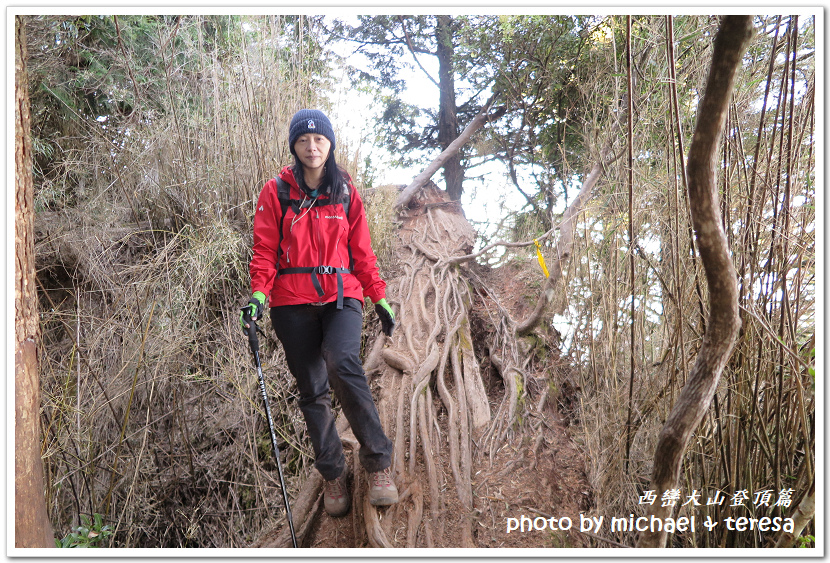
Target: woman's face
x,y
313,150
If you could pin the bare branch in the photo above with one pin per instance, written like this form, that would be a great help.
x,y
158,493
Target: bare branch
x,y
468,257
422,178
724,321
564,245
412,50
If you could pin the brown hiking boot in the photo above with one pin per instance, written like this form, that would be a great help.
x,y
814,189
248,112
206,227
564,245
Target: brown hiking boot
x,y
382,489
336,499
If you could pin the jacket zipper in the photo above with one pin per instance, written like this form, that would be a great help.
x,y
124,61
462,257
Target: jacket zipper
x,y
288,245
337,247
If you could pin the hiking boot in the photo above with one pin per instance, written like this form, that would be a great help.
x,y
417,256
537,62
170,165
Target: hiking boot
x,y
336,499
382,489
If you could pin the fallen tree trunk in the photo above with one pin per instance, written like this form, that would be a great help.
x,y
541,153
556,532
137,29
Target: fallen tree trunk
x,y
724,320
421,179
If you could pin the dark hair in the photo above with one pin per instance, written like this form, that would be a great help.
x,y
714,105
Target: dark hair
x,y
334,182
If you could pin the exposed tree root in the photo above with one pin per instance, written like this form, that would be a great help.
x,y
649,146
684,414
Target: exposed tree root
x,y
432,399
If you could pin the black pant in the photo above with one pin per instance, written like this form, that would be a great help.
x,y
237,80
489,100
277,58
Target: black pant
x,y
322,348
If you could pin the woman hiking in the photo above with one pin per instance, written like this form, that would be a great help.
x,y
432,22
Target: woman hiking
x,y
313,260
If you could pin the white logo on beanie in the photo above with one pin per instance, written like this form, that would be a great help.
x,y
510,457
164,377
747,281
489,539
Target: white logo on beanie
x,y
311,124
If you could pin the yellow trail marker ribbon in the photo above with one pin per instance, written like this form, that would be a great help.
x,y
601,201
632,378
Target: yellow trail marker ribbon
x,y
541,258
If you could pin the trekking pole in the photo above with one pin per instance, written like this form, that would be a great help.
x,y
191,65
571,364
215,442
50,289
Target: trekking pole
x,y
253,340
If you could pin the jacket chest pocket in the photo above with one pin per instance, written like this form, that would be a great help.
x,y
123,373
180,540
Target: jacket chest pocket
x,y
334,234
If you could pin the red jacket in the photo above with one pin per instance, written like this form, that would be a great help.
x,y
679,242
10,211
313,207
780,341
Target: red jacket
x,y
319,236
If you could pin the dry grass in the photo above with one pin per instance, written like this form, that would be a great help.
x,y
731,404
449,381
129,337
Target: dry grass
x,y
151,404
152,415
382,221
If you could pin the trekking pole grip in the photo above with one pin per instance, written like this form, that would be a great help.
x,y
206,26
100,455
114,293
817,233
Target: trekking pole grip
x,y
253,339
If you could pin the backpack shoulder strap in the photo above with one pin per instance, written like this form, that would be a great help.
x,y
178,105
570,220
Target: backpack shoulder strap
x,y
283,193
347,200
284,197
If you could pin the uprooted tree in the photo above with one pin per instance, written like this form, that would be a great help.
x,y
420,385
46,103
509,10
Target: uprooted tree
x,y
432,400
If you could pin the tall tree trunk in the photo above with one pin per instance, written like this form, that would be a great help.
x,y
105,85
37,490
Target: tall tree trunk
x,y
447,118
724,320
31,521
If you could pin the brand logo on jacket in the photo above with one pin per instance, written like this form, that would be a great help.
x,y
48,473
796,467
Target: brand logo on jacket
x,y
333,217
311,124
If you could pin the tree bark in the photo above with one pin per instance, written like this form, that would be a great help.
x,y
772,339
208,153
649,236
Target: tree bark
x,y
724,320
31,521
447,116
805,512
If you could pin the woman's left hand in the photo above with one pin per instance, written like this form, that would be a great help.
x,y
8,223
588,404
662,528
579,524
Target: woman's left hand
x,y
387,317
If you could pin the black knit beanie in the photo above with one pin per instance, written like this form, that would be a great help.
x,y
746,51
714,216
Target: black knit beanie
x,y
309,121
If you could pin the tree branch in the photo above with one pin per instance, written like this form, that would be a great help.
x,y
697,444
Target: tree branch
x,y
412,50
422,178
514,178
468,257
564,246
724,320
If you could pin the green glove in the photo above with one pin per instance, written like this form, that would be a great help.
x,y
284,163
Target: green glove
x,y
387,317
252,311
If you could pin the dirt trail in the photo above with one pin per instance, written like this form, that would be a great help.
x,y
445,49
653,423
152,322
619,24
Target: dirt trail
x,y
476,424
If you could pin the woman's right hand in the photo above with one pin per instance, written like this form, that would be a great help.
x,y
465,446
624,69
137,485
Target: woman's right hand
x,y
252,311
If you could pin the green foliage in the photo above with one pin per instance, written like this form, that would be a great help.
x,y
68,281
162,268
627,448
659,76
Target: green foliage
x,y
553,74
383,40
89,534
535,61
806,541
811,368
404,129
546,69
